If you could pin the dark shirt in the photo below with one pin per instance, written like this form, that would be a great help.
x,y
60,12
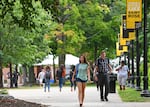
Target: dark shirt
x,y
102,65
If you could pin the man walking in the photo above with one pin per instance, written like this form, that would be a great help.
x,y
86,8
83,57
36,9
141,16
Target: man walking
x,y
103,68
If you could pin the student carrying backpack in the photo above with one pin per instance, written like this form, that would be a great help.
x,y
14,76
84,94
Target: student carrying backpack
x,y
47,78
48,75
61,73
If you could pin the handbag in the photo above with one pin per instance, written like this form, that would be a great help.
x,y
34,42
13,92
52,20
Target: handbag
x,y
43,81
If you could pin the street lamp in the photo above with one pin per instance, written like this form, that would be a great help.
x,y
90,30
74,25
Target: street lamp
x,y
133,76
128,44
145,92
138,79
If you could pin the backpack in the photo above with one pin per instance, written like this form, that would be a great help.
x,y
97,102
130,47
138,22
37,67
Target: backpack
x,y
77,66
59,73
47,75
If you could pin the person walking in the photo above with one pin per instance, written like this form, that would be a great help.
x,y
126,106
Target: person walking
x,y
122,75
41,76
47,77
15,78
103,67
82,73
61,73
8,79
96,80
72,83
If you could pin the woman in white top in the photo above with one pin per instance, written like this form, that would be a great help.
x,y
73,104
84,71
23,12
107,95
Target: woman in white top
x,y
122,75
41,76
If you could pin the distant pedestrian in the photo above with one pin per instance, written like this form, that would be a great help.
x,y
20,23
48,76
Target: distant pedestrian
x,y
47,77
15,78
41,76
96,80
61,73
82,73
122,75
8,79
72,83
103,67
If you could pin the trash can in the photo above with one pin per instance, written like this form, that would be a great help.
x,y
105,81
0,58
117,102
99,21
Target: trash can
x,y
112,83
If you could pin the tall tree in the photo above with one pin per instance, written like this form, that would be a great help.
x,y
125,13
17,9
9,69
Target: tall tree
x,y
66,34
22,32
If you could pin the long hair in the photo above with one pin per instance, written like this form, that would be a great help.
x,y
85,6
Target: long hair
x,y
85,60
62,66
48,68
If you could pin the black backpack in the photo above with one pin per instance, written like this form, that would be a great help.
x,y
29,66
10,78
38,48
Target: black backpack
x,y
59,73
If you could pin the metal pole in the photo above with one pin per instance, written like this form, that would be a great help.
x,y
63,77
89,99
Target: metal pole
x,y
138,81
129,63
119,60
145,92
125,57
132,82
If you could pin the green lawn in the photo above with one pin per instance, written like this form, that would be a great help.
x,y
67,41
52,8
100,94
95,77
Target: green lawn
x,y
3,91
131,95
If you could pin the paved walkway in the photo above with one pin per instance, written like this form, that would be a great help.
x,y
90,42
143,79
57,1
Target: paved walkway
x,y
66,98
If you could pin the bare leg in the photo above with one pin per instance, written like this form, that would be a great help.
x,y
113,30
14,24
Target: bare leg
x,y
79,84
83,91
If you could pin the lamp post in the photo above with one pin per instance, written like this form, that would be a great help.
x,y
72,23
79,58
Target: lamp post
x,y
145,92
132,82
128,43
138,79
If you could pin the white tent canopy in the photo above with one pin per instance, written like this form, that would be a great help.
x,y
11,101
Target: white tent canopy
x,y
70,60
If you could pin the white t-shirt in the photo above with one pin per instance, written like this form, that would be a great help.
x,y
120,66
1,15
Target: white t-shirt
x,y
41,75
123,71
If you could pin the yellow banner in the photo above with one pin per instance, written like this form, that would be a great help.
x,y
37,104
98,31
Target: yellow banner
x,y
125,49
134,12
131,36
120,52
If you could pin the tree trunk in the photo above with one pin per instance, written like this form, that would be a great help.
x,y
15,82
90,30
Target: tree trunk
x,y
16,68
62,58
54,69
1,75
31,75
95,51
24,74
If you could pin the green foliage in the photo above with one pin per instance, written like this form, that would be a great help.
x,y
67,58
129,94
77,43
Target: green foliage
x,y
97,21
31,29
67,38
23,27
96,29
